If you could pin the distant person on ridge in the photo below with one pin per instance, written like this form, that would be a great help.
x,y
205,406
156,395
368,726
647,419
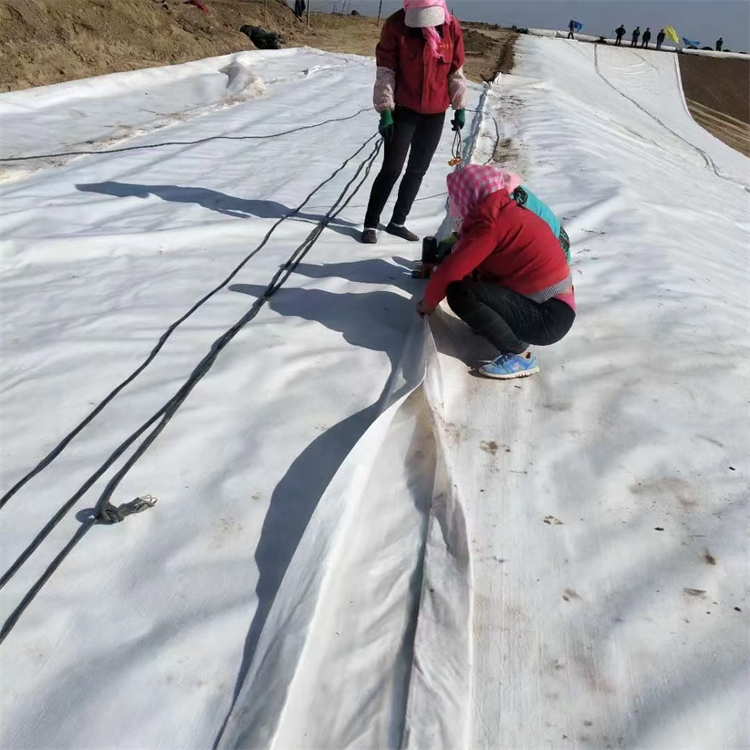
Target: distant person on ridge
x,y
620,34
719,44
660,37
571,29
507,277
299,8
636,34
646,37
420,60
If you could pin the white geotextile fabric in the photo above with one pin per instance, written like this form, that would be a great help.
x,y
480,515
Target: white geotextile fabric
x,y
607,500
357,543
100,255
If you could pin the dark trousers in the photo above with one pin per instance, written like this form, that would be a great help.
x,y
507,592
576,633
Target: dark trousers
x,y
618,42
658,45
412,130
508,320
570,35
634,43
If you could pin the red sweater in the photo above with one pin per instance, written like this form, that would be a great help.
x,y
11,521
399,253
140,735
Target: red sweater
x,y
421,77
507,245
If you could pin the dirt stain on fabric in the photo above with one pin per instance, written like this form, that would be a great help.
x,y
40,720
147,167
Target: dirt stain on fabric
x,y
571,595
557,406
505,151
671,487
489,446
697,593
225,531
711,440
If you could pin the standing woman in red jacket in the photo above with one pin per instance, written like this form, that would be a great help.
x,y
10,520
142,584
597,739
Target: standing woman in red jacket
x,y
507,277
420,61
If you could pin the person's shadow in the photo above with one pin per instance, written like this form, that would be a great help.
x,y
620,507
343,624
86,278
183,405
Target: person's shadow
x,y
242,208
372,271
379,321
452,336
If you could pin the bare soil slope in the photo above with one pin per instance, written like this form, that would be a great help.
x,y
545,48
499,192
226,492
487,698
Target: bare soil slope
x,y
718,95
722,85
488,52
49,41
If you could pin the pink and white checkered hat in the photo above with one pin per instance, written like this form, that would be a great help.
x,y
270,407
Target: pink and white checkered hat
x,y
469,186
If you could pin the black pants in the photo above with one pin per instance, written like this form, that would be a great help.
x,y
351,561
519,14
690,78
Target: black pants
x,y
412,130
618,42
570,35
634,43
508,320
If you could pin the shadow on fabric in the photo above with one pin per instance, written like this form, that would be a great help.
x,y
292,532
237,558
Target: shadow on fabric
x,y
372,271
240,208
378,321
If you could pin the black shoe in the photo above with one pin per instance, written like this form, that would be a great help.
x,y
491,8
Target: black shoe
x,y
369,237
402,232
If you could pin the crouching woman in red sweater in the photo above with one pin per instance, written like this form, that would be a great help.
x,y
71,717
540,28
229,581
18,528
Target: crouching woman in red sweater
x,y
507,278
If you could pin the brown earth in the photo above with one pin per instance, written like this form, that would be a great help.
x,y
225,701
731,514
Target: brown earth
x,y
722,85
49,41
718,96
488,52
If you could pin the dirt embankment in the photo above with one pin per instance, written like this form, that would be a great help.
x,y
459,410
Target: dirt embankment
x,y
488,52
718,96
49,41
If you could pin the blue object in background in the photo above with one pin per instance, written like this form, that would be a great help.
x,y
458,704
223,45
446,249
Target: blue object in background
x,y
690,42
577,26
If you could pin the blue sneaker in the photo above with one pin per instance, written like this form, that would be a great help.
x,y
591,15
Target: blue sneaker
x,y
508,366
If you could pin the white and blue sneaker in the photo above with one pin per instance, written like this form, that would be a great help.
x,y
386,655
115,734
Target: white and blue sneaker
x,y
508,366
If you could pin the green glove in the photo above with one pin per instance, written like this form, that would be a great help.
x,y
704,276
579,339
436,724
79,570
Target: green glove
x,y
385,128
459,120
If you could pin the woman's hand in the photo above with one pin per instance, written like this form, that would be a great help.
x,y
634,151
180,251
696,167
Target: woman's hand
x,y
424,309
459,120
385,128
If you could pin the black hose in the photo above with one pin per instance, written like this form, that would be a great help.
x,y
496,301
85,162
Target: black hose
x,y
60,447
105,512
94,152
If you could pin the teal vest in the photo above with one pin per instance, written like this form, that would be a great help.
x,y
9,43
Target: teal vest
x,y
525,198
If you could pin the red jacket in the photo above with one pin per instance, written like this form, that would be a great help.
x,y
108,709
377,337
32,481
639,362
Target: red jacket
x,y
421,77
506,244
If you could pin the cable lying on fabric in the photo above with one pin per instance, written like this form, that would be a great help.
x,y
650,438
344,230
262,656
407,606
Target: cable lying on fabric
x,y
124,149
105,511
60,447
109,516
456,150
497,132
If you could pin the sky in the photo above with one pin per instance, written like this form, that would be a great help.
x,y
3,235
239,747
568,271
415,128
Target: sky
x,y
701,20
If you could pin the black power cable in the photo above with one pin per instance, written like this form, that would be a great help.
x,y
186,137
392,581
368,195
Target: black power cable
x,y
124,149
105,512
60,447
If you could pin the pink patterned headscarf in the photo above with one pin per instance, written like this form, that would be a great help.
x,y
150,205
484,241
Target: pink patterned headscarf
x,y
430,32
469,186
